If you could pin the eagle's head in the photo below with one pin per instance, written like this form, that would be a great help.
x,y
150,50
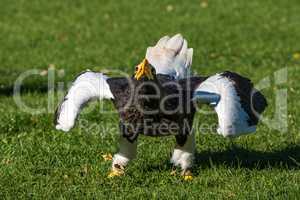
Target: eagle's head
x,y
144,71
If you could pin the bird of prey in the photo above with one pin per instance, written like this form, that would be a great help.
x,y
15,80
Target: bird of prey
x,y
161,98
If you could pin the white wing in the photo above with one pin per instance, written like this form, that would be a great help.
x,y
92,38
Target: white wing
x,y
86,87
235,101
171,56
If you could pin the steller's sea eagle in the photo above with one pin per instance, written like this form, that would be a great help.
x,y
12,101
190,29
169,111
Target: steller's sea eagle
x,y
161,99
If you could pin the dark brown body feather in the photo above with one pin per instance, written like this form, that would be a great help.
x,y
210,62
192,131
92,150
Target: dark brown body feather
x,y
143,110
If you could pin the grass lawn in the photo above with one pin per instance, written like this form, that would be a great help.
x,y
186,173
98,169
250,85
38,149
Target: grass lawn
x,y
254,38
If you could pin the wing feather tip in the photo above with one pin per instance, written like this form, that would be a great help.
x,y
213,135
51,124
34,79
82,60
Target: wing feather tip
x,y
190,52
175,43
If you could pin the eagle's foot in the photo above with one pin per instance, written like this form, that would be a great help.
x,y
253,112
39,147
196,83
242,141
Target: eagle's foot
x,y
187,175
107,157
117,170
174,171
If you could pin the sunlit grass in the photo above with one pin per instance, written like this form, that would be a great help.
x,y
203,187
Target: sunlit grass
x,y
254,38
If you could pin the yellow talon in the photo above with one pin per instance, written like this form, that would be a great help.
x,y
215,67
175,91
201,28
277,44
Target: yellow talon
x,y
188,178
115,172
296,56
107,157
173,173
187,175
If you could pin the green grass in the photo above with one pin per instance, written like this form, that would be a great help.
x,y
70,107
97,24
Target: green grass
x,y
254,38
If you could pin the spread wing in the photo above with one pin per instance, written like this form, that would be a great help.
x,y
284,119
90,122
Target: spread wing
x,y
171,56
87,86
237,104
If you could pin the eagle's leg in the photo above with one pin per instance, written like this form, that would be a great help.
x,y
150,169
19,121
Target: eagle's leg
x,y
183,154
127,152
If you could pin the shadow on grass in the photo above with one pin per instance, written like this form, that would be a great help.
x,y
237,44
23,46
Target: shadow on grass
x,y
27,88
238,157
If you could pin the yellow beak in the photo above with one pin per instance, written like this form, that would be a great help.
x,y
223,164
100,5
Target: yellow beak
x,y
143,69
